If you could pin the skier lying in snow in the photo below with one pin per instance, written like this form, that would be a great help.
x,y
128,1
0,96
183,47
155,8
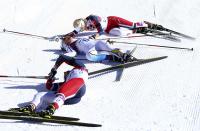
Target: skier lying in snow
x,y
68,92
94,50
111,25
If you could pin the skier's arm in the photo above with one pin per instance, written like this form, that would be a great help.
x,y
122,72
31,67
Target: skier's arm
x,y
53,86
68,50
72,34
69,60
62,58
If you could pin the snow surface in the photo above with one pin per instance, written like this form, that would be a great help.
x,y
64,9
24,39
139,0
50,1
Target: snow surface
x,y
160,96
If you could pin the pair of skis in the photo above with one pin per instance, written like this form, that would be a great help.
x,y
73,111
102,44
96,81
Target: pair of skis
x,y
36,118
105,70
161,32
161,28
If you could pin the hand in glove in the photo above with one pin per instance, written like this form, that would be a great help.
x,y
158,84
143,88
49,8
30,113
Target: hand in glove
x,y
92,37
95,36
110,41
52,73
54,38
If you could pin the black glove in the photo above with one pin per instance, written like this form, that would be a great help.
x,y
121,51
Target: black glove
x,y
92,36
55,38
110,41
52,73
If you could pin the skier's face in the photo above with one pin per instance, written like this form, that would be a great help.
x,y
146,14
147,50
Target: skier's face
x,y
90,25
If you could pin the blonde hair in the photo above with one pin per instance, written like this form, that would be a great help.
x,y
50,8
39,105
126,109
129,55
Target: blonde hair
x,y
79,23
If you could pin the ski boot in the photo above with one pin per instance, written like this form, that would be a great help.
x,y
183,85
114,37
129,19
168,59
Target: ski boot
x,y
26,109
139,27
154,26
122,57
129,58
142,30
48,112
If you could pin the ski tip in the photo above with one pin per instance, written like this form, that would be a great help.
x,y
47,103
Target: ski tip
x,y
94,125
163,57
99,125
189,49
191,38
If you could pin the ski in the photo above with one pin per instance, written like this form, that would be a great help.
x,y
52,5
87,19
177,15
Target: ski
x,y
127,65
36,115
155,33
161,35
120,72
161,28
178,33
41,120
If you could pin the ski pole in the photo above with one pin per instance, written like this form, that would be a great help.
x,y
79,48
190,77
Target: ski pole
x,y
35,77
173,47
121,37
25,34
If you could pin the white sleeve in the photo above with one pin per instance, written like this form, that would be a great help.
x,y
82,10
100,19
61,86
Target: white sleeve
x,y
71,54
68,50
78,29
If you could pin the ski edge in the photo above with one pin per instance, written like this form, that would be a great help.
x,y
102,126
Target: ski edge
x,y
40,119
35,115
127,65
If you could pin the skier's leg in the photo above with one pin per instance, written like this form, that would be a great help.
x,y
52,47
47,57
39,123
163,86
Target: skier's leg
x,y
96,56
115,32
66,91
37,101
77,97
